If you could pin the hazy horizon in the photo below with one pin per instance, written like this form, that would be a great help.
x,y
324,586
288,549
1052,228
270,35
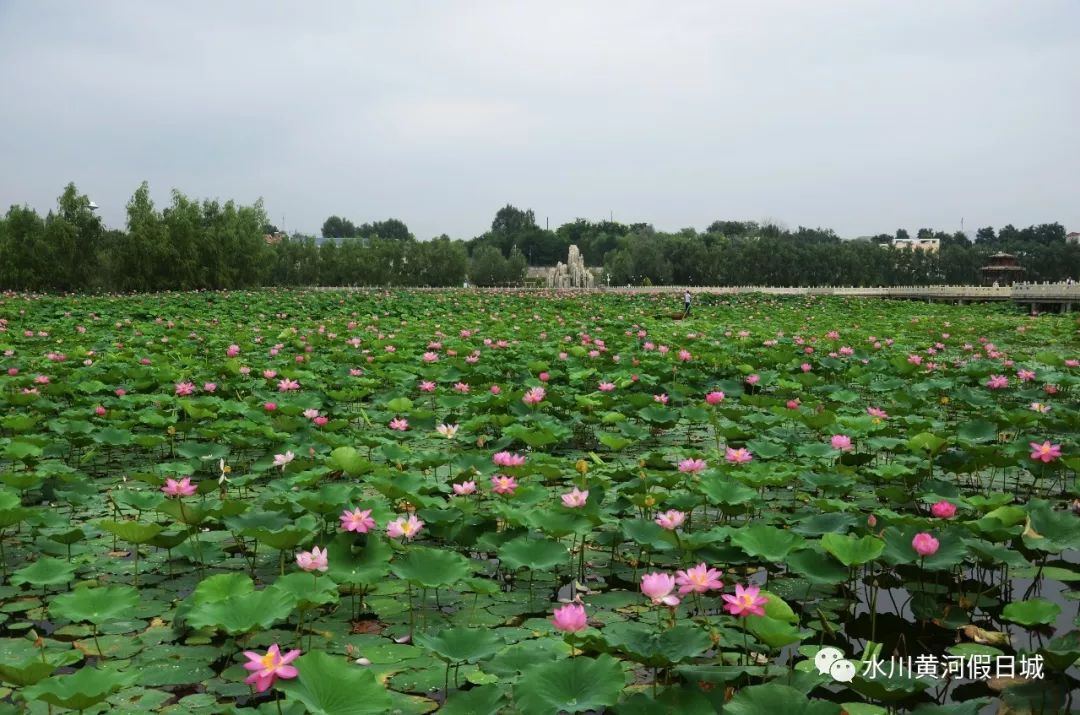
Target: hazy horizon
x,y
863,117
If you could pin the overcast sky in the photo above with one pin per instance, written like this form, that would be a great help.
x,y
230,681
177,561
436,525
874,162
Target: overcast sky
x,y
858,115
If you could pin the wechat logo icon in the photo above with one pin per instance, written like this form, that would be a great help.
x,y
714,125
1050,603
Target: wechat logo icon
x,y
830,661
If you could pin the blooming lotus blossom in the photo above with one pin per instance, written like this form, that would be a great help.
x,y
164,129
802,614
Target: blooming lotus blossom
x,y
692,466
738,456
265,669
925,544
508,459
671,519
914,359
311,413
448,431
661,398
1072,363
793,404
543,377
1025,375
314,560
182,488
431,357
269,374
806,367
270,406
943,509
1040,407
461,387
119,392
997,382
210,387
753,379
1045,452
746,601
877,412
99,411
281,460
402,527
841,442
233,351
427,386
698,579
399,423
287,385
606,386
502,484
570,618
658,587
685,356
495,389
357,520
575,499
714,398
184,389
534,396
465,488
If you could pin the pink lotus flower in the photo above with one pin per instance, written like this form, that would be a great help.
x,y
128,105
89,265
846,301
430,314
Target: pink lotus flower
x,y
282,460
914,359
1045,452
841,442
1025,375
575,499
287,385
925,544
357,520
714,398
427,386
311,413
270,406
210,387
233,351
119,392
806,367
184,389
508,459
402,527
269,374
671,519
495,389
606,386
753,379
692,466
698,579
658,587
685,356
399,423
943,510
461,387
793,404
13,371
448,431
1050,389
1040,407
997,382
314,560
431,357
543,377
746,601
877,412
661,398
265,669
534,396
1072,363
465,488
182,488
738,456
99,411
501,484
871,521
570,618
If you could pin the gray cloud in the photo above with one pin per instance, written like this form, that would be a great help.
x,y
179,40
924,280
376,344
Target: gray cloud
x,y
854,114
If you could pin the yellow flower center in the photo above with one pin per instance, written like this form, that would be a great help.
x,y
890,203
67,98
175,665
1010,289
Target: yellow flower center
x,y
407,528
268,661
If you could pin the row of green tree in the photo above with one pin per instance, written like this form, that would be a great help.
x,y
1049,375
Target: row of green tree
x,y
193,244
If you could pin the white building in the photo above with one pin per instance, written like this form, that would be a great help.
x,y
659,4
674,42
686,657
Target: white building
x,y
930,245
1073,237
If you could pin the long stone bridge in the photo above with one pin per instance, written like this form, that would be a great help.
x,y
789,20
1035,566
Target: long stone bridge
x,y
1040,296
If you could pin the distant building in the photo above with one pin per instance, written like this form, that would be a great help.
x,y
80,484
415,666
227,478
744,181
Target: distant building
x,y
1073,237
1003,269
274,238
930,245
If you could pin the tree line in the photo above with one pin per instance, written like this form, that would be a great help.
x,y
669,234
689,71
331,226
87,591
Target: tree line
x,y
206,244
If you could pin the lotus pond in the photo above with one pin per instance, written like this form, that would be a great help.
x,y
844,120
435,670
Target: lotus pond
x,y
483,502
